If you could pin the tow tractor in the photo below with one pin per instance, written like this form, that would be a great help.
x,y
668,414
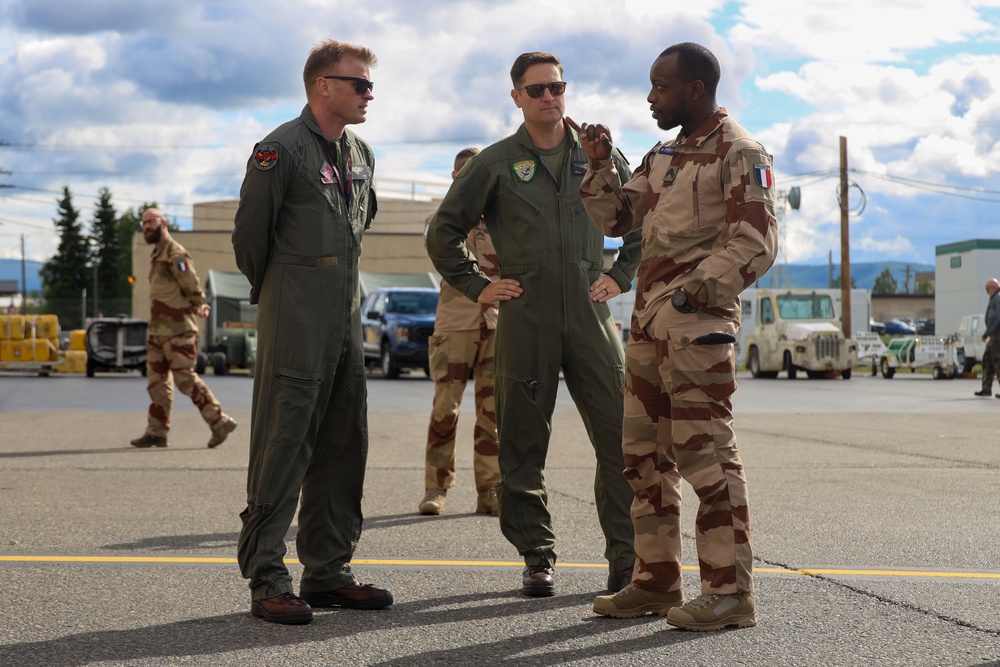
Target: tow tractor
x,y
915,352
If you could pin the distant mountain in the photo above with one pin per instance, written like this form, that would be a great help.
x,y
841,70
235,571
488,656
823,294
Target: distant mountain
x,y
780,275
863,274
10,269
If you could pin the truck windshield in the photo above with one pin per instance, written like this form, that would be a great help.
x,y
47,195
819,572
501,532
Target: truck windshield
x,y
413,303
805,306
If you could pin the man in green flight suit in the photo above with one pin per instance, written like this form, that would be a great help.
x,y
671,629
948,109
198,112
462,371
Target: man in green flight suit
x,y
305,202
553,314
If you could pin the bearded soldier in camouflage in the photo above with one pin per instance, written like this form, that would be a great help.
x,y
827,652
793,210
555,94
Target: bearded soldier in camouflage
x,y
705,204
463,343
172,347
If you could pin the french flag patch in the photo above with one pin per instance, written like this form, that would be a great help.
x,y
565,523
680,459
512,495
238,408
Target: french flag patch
x,y
182,265
762,174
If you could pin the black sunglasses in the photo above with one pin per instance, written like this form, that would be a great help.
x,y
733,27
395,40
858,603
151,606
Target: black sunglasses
x,y
536,90
360,85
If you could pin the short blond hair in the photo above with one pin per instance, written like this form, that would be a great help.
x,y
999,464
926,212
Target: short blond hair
x,y
328,53
463,157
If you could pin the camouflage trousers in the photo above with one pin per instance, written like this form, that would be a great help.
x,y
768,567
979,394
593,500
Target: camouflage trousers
x,y
678,424
170,360
453,355
991,361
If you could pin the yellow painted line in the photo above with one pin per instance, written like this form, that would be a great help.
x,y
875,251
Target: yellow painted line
x,y
113,559
203,560
902,573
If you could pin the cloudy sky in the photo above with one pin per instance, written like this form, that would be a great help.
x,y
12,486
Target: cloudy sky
x,y
164,100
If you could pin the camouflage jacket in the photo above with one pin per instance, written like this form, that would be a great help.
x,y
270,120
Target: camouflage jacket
x,y
454,311
705,204
174,290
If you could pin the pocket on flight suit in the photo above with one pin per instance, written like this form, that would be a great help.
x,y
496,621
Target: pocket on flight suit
x,y
292,403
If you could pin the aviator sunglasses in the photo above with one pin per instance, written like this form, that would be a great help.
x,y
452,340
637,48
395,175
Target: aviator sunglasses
x,y
362,86
536,90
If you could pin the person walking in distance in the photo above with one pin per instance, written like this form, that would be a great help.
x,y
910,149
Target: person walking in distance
x,y
306,200
176,301
991,354
463,343
705,203
554,318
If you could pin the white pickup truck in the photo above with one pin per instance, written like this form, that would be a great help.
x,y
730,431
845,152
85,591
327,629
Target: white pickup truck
x,y
969,344
798,329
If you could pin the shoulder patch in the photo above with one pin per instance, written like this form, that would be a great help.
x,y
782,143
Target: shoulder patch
x,y
524,170
265,157
762,174
182,265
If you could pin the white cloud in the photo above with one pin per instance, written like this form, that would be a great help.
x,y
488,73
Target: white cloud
x,y
169,99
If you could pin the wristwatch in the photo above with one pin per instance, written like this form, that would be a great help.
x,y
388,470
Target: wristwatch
x,y
681,302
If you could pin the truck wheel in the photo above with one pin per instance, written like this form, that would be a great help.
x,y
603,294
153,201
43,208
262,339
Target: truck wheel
x,y
753,362
846,373
389,368
219,363
200,363
90,368
790,367
887,370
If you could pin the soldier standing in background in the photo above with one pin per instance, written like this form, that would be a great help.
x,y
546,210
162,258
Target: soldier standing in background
x,y
991,355
463,342
705,204
172,347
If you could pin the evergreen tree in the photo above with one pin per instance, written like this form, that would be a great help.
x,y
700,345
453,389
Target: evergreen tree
x,y
836,282
113,291
884,283
67,274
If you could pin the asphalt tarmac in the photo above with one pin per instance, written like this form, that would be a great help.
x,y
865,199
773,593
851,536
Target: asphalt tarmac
x,y
874,510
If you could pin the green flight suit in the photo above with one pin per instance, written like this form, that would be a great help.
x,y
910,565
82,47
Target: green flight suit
x,y
545,240
298,239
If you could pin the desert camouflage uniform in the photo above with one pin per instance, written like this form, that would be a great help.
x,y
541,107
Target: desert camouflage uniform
x,y
172,346
705,204
991,354
463,342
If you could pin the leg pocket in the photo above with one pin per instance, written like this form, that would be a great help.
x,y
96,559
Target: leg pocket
x,y
292,408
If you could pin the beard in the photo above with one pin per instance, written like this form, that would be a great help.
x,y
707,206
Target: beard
x,y
154,236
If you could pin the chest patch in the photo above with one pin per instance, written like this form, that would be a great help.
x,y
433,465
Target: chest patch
x,y
360,172
525,170
265,157
666,150
579,168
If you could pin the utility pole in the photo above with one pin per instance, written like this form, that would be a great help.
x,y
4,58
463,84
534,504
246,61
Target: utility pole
x,y
845,244
24,282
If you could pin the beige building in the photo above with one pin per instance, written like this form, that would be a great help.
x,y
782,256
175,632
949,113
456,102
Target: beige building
x,y
892,306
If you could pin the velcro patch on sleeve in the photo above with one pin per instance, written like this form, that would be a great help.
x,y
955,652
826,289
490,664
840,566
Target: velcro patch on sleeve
x,y
265,157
